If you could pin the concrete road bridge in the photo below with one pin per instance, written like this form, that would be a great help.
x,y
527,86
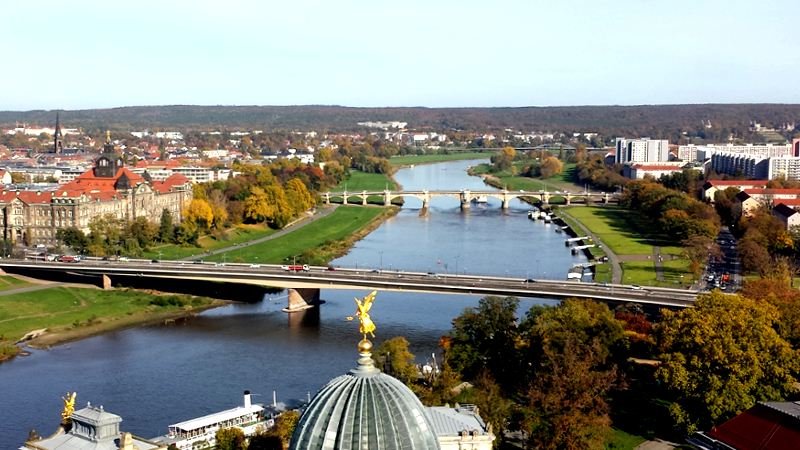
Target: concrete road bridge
x,y
309,282
466,196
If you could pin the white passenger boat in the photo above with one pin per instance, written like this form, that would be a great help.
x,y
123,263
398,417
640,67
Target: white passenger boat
x,y
201,432
481,199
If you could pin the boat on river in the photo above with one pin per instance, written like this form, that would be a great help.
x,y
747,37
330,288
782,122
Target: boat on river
x,y
481,199
201,432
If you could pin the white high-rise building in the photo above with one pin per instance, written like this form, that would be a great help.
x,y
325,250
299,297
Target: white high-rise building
x,y
641,150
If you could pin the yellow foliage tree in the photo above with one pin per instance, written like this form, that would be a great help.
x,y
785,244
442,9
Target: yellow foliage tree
x,y
199,213
298,195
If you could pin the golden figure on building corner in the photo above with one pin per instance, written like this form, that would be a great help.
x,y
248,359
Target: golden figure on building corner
x,y
69,406
367,326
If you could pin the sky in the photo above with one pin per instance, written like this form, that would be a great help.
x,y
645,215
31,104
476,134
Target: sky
x,y
86,54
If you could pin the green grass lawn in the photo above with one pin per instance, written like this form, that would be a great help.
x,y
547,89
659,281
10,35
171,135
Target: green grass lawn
x,y
361,181
612,229
9,282
336,226
621,440
644,273
426,159
568,175
61,307
235,236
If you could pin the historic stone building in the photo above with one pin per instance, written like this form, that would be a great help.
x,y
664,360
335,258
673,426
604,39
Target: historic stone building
x,y
109,188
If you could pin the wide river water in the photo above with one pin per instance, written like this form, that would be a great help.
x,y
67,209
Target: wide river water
x,y
159,375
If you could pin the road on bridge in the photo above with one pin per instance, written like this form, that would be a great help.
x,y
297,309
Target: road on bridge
x,y
323,277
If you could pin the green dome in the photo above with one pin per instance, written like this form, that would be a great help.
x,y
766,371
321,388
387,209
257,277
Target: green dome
x,y
365,410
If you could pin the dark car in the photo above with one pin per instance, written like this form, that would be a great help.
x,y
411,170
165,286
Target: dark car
x,y
154,261
331,268
530,280
198,261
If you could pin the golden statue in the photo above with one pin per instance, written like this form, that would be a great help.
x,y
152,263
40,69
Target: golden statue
x,y
108,136
69,406
367,327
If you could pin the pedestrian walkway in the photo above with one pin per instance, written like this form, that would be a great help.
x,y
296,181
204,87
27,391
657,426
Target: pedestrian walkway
x,y
299,223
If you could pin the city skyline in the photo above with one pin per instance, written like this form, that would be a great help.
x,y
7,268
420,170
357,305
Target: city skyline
x,y
88,54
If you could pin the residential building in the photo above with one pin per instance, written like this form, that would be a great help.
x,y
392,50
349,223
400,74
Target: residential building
x,y
711,187
460,428
5,177
788,215
743,203
693,152
786,167
639,171
641,150
750,166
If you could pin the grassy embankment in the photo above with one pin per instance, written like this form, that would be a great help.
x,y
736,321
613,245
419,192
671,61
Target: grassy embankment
x,y
71,313
9,282
618,228
236,235
399,161
323,239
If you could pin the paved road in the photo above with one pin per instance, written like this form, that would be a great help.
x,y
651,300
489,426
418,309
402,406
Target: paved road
x,y
34,288
299,223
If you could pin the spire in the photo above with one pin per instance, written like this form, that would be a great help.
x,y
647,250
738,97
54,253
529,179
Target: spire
x,y
58,144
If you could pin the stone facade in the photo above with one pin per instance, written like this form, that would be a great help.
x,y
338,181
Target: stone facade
x,y
107,189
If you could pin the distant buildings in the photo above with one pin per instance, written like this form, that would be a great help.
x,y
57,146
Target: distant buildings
x,y
759,161
641,150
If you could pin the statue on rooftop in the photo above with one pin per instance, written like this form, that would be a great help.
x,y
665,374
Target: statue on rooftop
x,y
367,326
69,406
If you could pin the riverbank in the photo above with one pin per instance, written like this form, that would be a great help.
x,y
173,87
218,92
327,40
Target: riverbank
x,y
66,313
402,162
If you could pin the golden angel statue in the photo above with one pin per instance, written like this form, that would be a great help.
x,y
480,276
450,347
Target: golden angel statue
x,y
69,406
367,327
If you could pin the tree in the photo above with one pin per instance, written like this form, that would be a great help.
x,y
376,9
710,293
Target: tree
x,y
141,230
166,231
199,214
550,166
73,237
298,196
697,248
494,407
485,337
722,356
231,438
219,211
284,426
264,441
566,407
398,360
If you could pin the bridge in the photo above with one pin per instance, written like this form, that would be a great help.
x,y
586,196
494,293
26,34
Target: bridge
x,y
308,283
466,196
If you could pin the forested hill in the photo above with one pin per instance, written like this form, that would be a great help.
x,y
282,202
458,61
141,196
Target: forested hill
x,y
623,119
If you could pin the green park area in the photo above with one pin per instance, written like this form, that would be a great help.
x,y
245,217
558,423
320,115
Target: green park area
x,y
315,243
362,181
75,313
7,283
429,159
236,235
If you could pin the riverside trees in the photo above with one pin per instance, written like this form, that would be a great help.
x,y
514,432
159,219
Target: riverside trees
x,y
552,372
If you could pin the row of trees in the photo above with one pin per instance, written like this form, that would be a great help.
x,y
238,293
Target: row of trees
x,y
552,373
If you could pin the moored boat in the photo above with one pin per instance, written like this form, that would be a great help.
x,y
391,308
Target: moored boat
x,y
201,432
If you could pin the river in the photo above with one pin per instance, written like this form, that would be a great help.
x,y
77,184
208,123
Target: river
x,y
159,375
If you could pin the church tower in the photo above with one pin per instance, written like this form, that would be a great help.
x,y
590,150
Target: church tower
x,y
58,144
109,163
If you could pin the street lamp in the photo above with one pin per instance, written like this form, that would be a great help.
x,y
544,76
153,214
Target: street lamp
x,y
537,268
456,265
381,261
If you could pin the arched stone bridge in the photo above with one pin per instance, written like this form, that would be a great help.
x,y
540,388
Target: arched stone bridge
x,y
466,196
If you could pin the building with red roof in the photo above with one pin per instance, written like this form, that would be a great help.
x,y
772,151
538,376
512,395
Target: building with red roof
x,y
765,426
108,189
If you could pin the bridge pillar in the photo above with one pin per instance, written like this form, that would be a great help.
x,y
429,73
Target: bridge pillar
x,y
386,200
465,198
605,198
506,199
302,299
425,204
344,197
327,198
364,198
568,199
545,198
106,282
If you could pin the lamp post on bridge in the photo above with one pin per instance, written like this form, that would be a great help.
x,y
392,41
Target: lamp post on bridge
x,y
381,268
456,265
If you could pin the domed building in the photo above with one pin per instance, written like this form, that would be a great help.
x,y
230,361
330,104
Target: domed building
x,y
365,409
